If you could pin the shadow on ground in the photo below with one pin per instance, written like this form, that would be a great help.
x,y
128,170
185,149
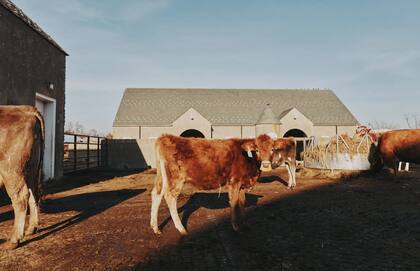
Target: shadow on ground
x,y
82,178
210,201
272,178
360,224
74,180
87,205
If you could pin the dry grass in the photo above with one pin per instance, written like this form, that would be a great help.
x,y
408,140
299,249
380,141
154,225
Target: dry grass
x,y
328,174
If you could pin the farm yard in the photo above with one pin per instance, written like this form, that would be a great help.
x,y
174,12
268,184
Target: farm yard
x,y
99,220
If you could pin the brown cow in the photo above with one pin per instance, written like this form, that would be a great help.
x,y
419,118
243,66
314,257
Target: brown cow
x,y
207,164
21,152
285,152
395,146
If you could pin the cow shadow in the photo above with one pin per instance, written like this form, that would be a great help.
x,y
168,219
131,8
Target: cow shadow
x,y
87,205
84,177
272,178
209,201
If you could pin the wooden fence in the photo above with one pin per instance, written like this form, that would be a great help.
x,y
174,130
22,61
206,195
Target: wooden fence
x,y
83,152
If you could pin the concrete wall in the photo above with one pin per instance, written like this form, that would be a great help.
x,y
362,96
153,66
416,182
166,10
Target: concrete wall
x,y
320,131
27,63
248,131
349,130
126,154
154,132
226,132
126,132
269,129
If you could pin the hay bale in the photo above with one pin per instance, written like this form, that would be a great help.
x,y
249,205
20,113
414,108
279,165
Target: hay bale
x,y
346,144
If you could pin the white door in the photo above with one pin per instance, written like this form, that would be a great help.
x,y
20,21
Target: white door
x,y
47,107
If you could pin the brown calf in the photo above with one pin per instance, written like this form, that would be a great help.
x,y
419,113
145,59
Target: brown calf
x,y
207,164
21,152
285,152
395,146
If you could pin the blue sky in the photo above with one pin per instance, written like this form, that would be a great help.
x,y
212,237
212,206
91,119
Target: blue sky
x,y
368,52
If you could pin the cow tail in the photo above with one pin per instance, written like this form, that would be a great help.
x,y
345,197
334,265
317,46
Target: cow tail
x,y
39,195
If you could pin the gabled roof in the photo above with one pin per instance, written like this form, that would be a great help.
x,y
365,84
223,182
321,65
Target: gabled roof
x,y
9,5
157,107
285,112
268,116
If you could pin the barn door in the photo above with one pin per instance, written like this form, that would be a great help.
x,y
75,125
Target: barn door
x,y
47,107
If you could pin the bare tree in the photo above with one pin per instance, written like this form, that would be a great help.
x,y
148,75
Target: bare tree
x,y
78,128
93,132
377,125
69,127
412,120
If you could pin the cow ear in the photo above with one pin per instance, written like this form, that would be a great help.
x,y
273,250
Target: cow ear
x,y
249,146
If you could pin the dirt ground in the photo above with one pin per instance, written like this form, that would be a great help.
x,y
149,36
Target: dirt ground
x,y
96,221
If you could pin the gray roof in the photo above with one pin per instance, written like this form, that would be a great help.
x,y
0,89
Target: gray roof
x,y
9,5
160,107
268,116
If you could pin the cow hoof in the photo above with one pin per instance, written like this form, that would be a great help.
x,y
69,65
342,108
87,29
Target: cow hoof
x,y
157,232
9,246
183,233
289,187
235,228
30,231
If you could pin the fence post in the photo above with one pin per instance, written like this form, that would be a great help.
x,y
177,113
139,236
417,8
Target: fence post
x,y
98,141
88,154
75,152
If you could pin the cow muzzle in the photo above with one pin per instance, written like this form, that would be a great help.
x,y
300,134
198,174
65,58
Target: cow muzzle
x,y
265,166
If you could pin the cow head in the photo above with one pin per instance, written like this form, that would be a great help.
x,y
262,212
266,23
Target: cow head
x,y
280,146
262,147
375,159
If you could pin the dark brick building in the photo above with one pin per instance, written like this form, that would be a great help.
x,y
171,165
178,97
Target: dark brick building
x,y
32,72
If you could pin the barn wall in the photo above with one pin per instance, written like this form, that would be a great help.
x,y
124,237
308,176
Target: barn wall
x,y
154,132
27,63
349,130
226,132
331,130
248,131
192,119
296,120
320,131
125,132
272,130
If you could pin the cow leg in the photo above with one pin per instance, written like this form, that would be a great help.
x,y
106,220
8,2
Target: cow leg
x,y
233,201
391,163
242,201
158,191
33,217
171,201
20,205
156,200
293,172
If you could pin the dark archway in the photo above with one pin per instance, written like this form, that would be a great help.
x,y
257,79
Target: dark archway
x,y
299,145
192,133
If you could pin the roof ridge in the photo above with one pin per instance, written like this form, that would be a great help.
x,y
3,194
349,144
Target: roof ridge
x,y
152,106
229,89
10,6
